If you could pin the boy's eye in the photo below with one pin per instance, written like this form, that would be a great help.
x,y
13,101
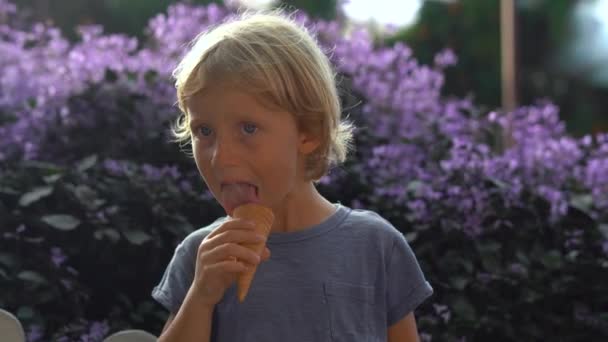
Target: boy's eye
x,y
249,128
204,131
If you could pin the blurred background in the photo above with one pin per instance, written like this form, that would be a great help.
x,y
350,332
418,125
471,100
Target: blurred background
x,y
506,211
560,46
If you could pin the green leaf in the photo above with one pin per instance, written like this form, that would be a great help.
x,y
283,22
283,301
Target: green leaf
x,y
489,248
490,262
463,308
531,296
52,178
136,317
467,264
150,76
87,163
552,259
498,183
25,313
8,191
582,202
137,237
459,283
36,240
8,260
125,300
146,307
414,185
45,166
46,297
522,258
110,233
31,101
87,196
603,227
489,255
35,195
31,276
572,255
110,76
411,237
61,222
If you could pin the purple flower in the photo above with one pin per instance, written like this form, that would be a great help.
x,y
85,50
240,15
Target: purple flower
x,y
67,284
154,173
117,167
443,311
151,173
429,154
97,331
445,58
518,269
57,256
34,333
426,337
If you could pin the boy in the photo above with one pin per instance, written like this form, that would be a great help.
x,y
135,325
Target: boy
x,y
261,110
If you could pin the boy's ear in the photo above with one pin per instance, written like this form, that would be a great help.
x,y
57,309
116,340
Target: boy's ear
x,y
308,143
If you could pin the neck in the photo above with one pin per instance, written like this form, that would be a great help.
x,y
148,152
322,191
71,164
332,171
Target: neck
x,y
304,207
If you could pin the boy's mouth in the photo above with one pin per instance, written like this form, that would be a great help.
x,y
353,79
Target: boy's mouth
x,y
234,194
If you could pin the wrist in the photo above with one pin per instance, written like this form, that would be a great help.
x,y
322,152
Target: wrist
x,y
201,298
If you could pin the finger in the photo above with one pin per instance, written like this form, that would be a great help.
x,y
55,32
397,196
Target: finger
x,y
226,251
265,254
227,266
238,236
232,224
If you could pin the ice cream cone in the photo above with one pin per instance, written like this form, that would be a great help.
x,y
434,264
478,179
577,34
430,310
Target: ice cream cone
x,y
263,218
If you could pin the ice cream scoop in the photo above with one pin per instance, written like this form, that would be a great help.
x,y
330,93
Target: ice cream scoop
x,y
263,218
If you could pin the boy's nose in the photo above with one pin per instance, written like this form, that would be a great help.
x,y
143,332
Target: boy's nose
x,y
224,153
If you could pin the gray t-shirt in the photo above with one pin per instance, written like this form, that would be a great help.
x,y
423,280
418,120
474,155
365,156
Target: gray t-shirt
x,y
345,279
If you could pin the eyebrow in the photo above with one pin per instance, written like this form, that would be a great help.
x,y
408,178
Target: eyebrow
x,y
194,121
194,114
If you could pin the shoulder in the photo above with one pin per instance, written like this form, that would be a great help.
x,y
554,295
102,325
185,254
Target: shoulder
x,y
193,240
370,222
374,227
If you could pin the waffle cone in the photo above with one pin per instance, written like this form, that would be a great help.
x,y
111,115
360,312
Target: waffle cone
x,y
263,218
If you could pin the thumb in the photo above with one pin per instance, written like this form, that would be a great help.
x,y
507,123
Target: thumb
x,y
265,254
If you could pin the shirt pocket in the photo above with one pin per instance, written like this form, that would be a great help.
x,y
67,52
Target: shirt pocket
x,y
350,309
270,313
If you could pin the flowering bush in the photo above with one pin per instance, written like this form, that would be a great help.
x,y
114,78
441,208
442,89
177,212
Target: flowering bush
x,y
94,197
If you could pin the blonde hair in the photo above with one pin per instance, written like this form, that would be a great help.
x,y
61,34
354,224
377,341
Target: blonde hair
x,y
274,57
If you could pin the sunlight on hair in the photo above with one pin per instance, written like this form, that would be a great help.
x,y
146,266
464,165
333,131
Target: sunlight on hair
x,y
386,12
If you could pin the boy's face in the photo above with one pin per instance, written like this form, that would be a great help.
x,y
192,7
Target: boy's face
x,y
245,151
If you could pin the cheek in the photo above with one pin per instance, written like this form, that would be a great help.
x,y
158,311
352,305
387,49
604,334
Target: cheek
x,y
200,159
280,167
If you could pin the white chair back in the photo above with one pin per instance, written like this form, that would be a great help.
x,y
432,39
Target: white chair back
x,y
11,329
132,335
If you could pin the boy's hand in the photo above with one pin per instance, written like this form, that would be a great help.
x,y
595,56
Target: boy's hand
x,y
216,268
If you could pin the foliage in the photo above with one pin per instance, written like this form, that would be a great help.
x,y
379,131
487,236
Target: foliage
x,y
544,32
116,16
94,197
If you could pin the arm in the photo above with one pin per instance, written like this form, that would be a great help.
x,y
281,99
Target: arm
x,y
404,330
191,323
168,322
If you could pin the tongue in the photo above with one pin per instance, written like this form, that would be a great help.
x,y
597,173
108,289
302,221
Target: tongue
x,y
234,195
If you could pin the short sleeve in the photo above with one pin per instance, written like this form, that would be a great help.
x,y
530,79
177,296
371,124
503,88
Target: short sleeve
x,y
407,287
176,280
